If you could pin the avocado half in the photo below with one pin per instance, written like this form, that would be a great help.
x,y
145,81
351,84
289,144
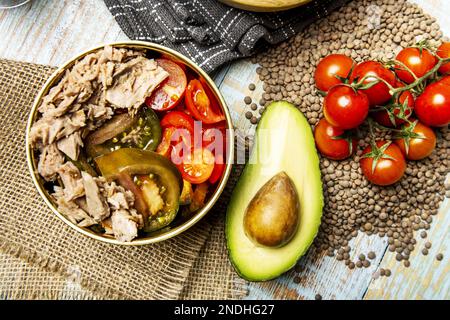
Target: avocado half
x,y
283,142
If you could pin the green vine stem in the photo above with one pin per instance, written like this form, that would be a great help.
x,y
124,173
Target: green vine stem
x,y
396,91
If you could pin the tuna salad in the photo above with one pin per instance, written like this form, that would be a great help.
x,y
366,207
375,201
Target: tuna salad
x,y
106,137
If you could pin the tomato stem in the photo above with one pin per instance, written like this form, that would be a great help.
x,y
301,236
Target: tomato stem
x,y
405,68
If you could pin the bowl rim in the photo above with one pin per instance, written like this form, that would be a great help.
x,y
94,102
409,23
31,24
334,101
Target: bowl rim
x,y
266,7
56,76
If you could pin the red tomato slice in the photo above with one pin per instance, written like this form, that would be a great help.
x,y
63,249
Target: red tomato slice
x,y
199,104
178,119
165,146
217,173
174,59
171,91
197,166
209,142
215,106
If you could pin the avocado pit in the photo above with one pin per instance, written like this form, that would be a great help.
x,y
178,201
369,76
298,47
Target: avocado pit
x,y
272,216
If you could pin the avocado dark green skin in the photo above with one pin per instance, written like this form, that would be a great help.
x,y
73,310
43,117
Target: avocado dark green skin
x,y
284,140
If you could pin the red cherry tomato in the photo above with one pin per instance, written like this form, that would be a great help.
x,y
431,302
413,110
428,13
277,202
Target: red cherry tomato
x,y
388,168
382,117
418,61
444,52
174,141
178,119
420,147
331,144
345,108
209,142
219,168
165,146
197,165
171,91
330,67
378,94
200,105
445,80
215,106
432,107
174,59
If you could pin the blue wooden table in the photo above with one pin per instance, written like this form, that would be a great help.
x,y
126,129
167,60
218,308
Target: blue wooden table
x,y
50,32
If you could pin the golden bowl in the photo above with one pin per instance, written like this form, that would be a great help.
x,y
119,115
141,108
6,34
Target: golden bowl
x,y
265,5
165,233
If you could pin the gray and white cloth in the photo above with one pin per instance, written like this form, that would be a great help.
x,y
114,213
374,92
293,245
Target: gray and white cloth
x,y
209,32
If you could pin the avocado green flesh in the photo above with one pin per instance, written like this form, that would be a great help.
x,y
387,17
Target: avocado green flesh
x,y
284,142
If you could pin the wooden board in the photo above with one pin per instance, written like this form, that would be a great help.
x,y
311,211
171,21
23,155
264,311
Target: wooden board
x,y
50,32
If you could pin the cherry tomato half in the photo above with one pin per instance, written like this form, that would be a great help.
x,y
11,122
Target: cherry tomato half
x,y
174,59
219,168
219,147
199,104
388,169
330,67
197,165
378,94
444,52
178,119
417,60
331,143
165,146
345,108
432,107
174,138
382,117
419,147
171,91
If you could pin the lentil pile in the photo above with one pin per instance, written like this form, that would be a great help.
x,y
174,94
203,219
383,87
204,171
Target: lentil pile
x,y
363,30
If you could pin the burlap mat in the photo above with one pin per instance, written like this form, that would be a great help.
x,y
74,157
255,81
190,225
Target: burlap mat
x,y
41,257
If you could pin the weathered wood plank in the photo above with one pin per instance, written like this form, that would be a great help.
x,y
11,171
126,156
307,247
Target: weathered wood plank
x,y
426,278
51,32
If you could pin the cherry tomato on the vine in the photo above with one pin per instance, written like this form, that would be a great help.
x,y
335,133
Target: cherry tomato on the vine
x,y
417,142
379,93
432,107
405,101
444,52
330,69
332,142
345,107
445,80
383,164
419,61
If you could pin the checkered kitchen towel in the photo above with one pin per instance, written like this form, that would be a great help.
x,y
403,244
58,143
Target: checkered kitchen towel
x,y
209,32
